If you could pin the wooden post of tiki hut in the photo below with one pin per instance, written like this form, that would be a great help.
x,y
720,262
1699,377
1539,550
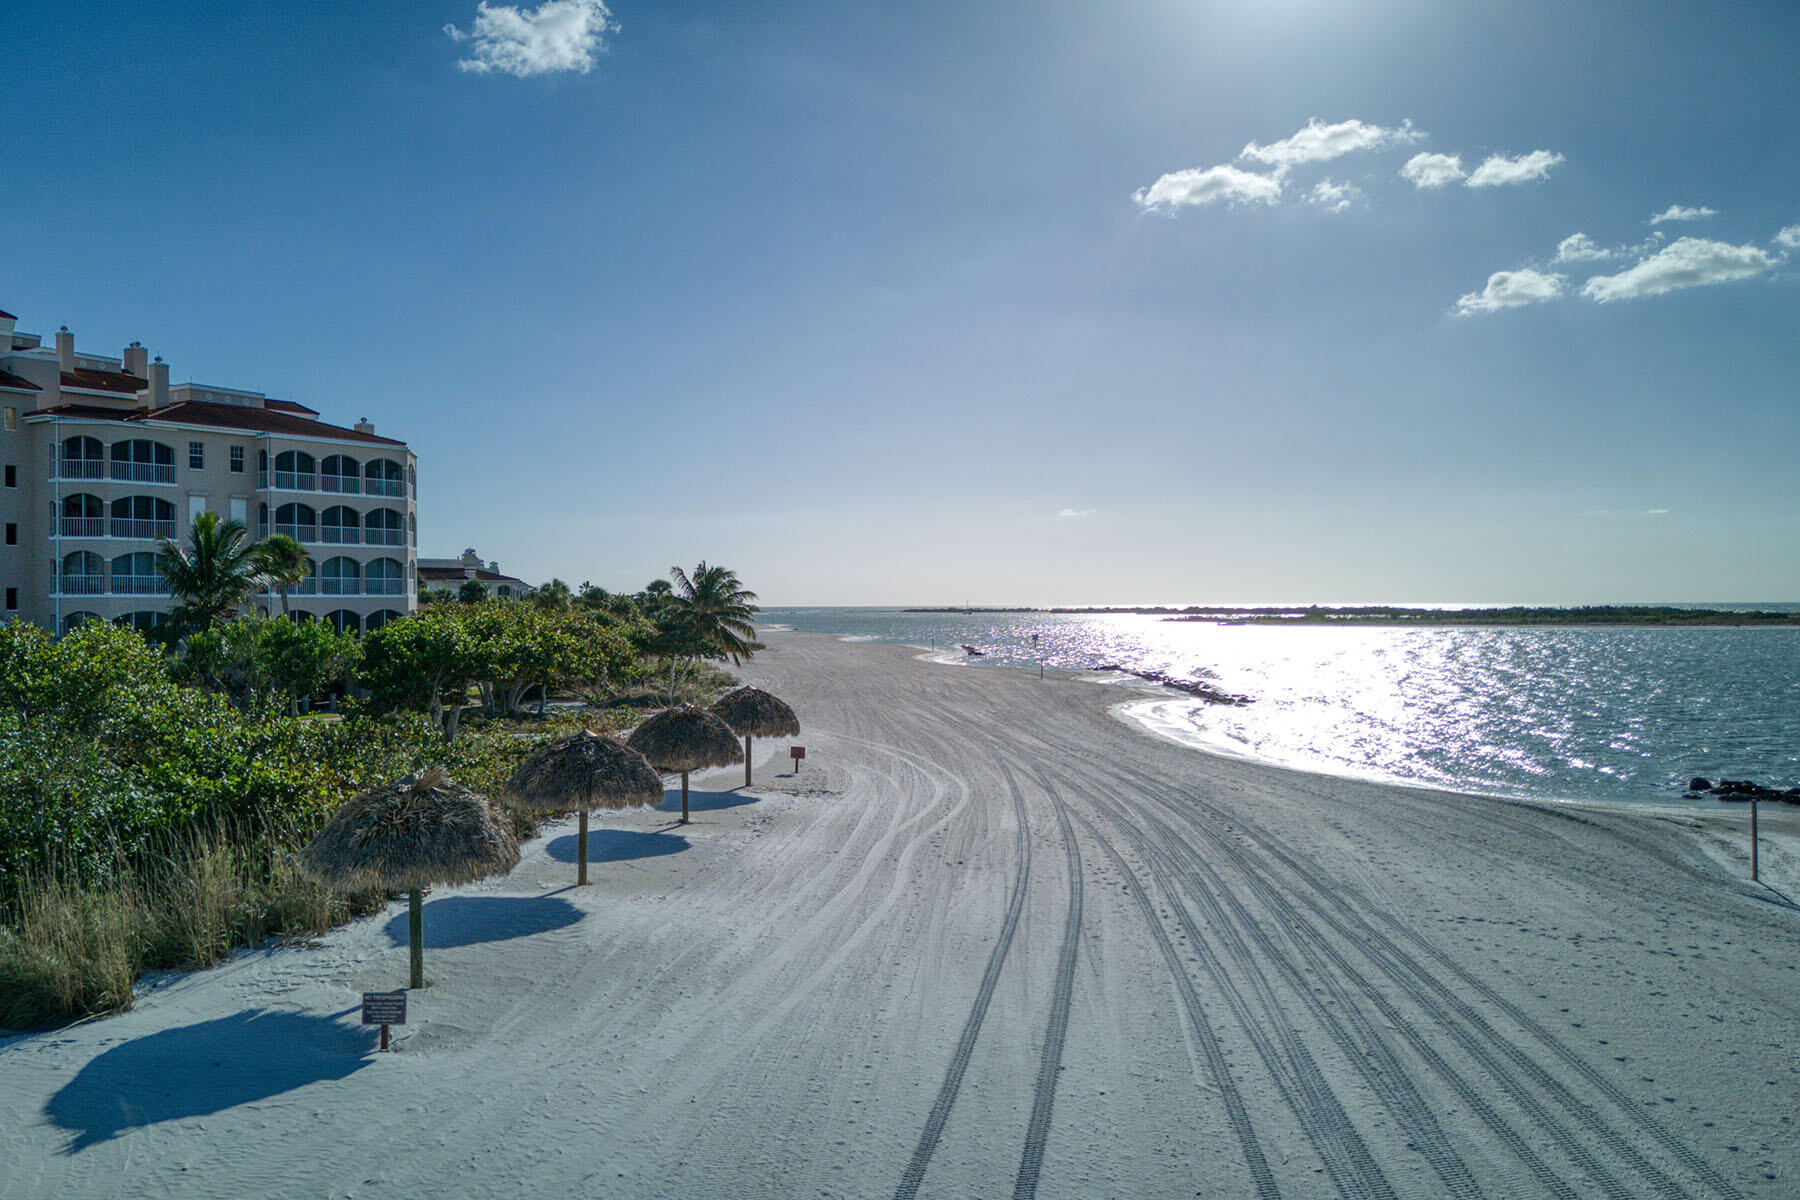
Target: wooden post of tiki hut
x,y
404,837
685,738
584,772
750,711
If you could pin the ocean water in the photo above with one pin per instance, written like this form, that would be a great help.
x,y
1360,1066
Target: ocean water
x,y
1610,714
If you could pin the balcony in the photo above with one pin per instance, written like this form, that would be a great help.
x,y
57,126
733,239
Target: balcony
x,y
136,472
337,535
384,537
384,587
82,585
384,487
300,533
139,585
349,485
307,587
144,530
78,468
340,587
82,527
288,481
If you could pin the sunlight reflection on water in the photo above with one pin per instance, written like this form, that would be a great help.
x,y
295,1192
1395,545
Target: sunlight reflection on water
x,y
1568,713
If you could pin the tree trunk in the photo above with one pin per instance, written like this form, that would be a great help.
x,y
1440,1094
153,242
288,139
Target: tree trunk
x,y
684,810
415,934
452,718
581,851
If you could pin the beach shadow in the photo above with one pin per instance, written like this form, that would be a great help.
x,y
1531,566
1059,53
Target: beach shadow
x,y
198,1070
618,845
472,920
699,801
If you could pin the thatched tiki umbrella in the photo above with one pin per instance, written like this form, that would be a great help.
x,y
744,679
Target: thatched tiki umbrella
x,y
750,711
404,837
586,771
685,738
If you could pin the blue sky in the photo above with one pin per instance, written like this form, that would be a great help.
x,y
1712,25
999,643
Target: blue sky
x,y
1031,303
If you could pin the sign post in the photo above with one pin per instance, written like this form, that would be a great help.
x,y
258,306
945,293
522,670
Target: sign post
x,y
1753,841
797,753
384,1009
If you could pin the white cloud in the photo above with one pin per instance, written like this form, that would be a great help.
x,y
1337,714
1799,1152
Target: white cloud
x,y
1335,196
1789,237
1499,169
1077,512
1511,289
558,35
1684,263
1432,170
1320,142
1677,212
1579,247
1197,186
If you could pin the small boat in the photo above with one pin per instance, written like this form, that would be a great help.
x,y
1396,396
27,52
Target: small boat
x,y
972,651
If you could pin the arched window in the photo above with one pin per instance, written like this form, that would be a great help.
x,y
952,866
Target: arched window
x,y
135,574
340,473
380,617
144,621
505,591
262,520
83,515
81,458
75,620
383,477
382,528
340,525
142,517
384,577
141,461
340,576
82,574
296,520
343,619
412,529
294,471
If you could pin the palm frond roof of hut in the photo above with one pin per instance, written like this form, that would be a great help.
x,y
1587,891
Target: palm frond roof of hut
x,y
685,738
755,712
586,771
418,831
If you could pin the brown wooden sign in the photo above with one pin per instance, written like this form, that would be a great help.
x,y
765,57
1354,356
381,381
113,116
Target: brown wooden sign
x,y
384,1008
797,753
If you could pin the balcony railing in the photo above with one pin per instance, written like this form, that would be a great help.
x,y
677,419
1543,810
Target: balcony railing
x,y
300,533
384,587
124,528
384,537
83,526
384,487
350,485
139,585
296,481
339,535
136,472
307,587
78,468
83,585
340,587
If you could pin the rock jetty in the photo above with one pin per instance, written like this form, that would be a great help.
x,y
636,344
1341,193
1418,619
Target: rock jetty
x,y
1193,687
1740,789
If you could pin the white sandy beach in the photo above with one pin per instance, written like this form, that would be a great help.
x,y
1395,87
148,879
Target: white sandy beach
x,y
990,940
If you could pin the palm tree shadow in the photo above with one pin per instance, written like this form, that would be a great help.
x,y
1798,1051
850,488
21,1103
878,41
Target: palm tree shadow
x,y
472,920
699,801
618,845
198,1070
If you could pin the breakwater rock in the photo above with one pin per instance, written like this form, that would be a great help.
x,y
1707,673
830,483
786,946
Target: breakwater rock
x,y
1193,687
1740,789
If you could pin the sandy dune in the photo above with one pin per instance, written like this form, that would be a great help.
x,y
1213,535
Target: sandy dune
x,y
990,941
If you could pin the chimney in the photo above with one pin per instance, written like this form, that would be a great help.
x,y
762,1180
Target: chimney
x,y
159,383
7,321
65,348
136,360
364,426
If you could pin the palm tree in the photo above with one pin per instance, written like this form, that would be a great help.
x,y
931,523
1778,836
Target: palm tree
x,y
284,564
219,570
708,616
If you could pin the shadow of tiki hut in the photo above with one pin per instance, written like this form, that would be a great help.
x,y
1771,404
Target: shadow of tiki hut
x,y
685,738
404,837
584,772
752,711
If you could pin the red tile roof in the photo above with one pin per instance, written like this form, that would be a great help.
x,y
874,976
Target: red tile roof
x,y
6,316
9,380
455,573
224,416
104,381
289,406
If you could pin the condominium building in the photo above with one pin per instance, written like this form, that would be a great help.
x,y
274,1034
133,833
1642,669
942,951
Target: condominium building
x,y
453,574
104,458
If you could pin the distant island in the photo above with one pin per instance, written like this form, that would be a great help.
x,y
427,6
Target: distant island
x,y
1594,614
